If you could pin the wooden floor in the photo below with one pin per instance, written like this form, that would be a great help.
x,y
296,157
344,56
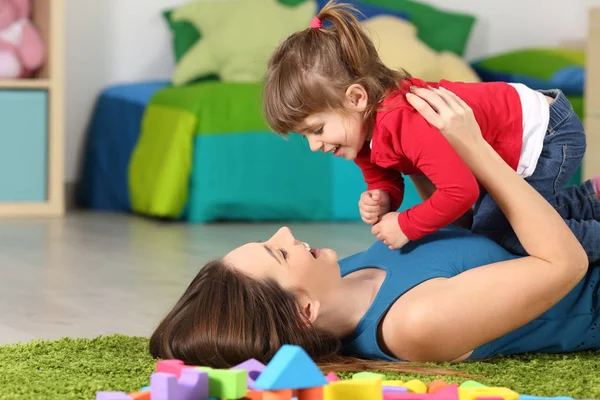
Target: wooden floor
x,y
91,274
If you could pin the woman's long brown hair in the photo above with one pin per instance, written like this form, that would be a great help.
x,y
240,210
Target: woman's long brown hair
x,y
310,71
226,317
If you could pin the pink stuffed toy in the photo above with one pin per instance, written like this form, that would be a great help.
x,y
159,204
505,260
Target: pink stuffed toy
x,y
22,50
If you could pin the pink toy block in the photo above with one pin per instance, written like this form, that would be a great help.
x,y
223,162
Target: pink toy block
x,y
406,396
172,367
449,392
284,394
254,368
192,385
331,377
112,396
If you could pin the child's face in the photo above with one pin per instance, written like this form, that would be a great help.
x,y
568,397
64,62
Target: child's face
x,y
333,132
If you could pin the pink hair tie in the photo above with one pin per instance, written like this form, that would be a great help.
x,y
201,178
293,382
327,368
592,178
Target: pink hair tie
x,y
316,23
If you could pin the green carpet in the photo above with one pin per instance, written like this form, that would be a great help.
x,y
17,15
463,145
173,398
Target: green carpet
x,y
78,368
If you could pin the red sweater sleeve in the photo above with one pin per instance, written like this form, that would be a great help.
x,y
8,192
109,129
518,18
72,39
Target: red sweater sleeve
x,y
413,138
387,179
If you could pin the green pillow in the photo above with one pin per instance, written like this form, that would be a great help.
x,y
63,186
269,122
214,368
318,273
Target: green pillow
x,y
184,34
439,29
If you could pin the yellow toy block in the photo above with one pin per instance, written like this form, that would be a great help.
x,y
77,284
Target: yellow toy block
x,y
416,386
354,389
473,393
392,383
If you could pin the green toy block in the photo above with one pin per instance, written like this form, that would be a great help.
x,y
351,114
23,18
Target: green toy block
x,y
368,375
226,383
472,384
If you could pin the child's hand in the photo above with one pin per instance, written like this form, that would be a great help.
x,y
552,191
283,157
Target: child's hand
x,y
373,204
389,232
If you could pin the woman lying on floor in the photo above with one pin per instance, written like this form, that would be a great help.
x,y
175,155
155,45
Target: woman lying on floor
x,y
452,296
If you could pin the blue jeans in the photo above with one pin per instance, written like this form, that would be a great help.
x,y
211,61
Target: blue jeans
x,y
564,147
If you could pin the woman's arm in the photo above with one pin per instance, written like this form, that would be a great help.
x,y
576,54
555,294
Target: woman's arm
x,y
447,318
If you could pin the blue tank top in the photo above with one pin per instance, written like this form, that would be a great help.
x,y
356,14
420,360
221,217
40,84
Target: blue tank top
x,y
572,324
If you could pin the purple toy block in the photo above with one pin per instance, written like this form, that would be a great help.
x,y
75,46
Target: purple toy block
x,y
254,368
193,385
112,396
394,389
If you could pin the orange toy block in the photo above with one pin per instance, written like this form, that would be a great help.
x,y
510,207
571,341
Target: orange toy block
x,y
253,395
283,394
140,395
315,393
436,385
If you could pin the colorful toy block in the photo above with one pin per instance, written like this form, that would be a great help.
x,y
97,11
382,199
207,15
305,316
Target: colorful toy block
x,y
112,396
392,383
283,394
226,383
416,386
368,375
140,395
474,392
254,395
471,384
254,369
354,389
290,368
172,367
436,385
394,389
315,393
192,385
331,377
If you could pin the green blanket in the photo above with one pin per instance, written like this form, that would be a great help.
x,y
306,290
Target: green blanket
x,y
161,164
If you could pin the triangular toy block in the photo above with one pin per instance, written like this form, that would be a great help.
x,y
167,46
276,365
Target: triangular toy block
x,y
173,367
290,368
226,383
354,389
254,368
192,385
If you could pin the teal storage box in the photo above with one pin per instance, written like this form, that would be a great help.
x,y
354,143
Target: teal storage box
x,y
23,153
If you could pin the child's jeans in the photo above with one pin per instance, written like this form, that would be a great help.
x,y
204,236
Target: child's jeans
x,y
564,147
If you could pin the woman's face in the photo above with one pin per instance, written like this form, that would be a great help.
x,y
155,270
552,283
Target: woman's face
x,y
290,262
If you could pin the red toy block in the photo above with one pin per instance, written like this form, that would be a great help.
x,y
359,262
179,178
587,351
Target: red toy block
x,y
315,393
140,395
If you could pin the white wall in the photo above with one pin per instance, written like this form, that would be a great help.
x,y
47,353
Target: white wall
x,y
111,41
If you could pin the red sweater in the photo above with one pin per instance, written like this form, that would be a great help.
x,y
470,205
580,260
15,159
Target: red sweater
x,y
403,142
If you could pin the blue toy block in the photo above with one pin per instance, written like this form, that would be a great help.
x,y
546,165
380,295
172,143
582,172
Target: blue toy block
x,y
145,389
112,396
254,368
192,385
290,368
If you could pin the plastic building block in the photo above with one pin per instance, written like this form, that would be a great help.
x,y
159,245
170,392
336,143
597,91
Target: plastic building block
x,y
283,394
474,393
290,368
394,389
254,395
112,396
406,396
254,368
448,392
226,383
354,389
436,385
368,375
140,395
392,383
172,367
315,393
471,384
416,386
145,389
192,385
331,377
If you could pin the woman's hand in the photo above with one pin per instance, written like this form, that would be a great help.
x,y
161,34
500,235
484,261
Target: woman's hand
x,y
448,113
